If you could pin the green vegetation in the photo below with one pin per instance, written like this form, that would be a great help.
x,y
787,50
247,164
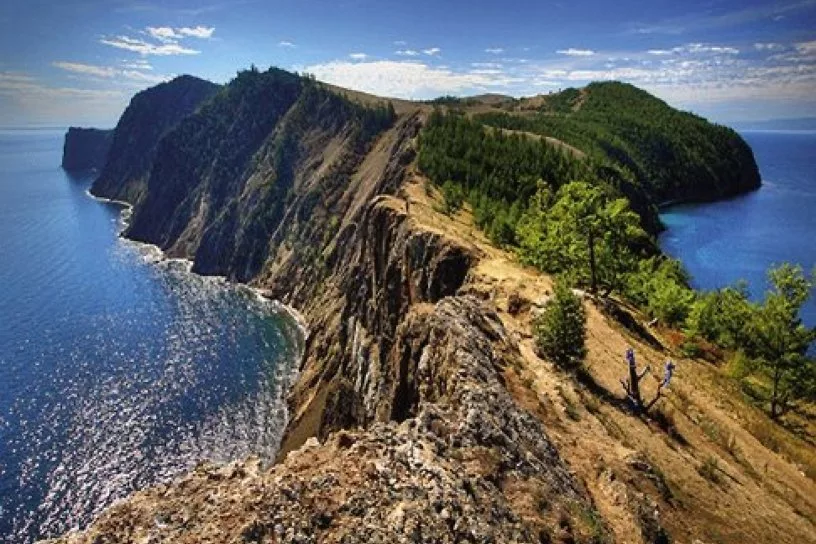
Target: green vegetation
x,y
453,197
588,218
660,286
668,153
583,233
710,470
769,339
778,342
560,330
497,172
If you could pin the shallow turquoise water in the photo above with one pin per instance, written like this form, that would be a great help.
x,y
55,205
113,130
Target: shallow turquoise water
x,y
115,371
722,242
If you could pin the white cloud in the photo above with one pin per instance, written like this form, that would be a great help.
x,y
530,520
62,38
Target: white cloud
x,y
110,72
26,100
407,53
770,46
406,79
546,83
201,32
137,76
572,52
399,43
358,56
138,64
12,79
88,69
432,51
494,50
704,48
286,43
145,48
32,90
162,33
806,48
167,34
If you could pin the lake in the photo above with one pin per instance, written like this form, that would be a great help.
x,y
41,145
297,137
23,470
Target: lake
x,y
740,238
117,371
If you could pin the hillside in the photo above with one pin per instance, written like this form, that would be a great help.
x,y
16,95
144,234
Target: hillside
x,y
149,115
671,155
422,412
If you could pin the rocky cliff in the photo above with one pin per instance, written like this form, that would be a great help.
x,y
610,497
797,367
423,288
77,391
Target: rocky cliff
x,y
420,413
150,114
86,148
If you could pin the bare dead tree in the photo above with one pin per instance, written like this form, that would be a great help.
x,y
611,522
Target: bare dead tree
x,y
632,385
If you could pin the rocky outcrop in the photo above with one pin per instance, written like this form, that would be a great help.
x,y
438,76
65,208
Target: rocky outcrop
x,y
148,117
85,148
468,465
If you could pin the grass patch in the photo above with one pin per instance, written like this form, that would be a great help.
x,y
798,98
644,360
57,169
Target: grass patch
x,y
592,405
681,401
710,470
570,408
780,441
589,526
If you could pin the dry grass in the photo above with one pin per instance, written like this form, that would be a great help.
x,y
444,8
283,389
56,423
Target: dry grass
x,y
726,473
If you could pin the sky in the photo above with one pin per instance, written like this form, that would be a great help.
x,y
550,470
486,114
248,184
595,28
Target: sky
x,y
79,62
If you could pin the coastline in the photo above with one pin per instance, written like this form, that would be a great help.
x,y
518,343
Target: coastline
x,y
156,256
666,204
127,210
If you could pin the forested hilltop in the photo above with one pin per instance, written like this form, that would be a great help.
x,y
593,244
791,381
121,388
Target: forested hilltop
x,y
610,134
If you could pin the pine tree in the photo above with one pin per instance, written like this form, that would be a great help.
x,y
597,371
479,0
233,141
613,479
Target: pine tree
x,y
560,330
778,341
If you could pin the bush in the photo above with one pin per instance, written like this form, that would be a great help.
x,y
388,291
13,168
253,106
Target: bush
x,y
710,470
560,330
454,197
661,286
721,316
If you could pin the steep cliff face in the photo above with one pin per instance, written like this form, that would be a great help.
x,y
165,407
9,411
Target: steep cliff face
x,y
149,116
269,145
86,148
468,466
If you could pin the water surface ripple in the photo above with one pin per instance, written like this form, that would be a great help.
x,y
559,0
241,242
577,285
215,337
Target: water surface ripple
x,y
116,371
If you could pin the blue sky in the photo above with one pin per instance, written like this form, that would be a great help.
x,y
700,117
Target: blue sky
x,y
79,62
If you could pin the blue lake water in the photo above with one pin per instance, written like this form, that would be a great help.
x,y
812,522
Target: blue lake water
x,y
116,371
722,242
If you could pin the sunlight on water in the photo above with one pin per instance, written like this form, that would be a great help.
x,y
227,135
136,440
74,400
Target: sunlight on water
x,y
156,407
159,405
117,370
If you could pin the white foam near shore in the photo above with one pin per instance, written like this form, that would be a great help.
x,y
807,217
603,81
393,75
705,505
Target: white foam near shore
x,y
265,296
154,254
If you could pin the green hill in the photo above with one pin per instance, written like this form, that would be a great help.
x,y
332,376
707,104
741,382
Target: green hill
x,y
671,154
